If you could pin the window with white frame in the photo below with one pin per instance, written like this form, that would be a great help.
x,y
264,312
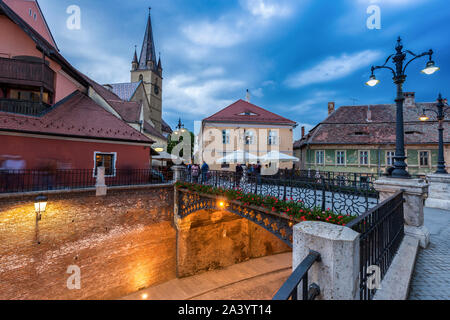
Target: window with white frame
x,y
273,137
424,158
249,137
340,158
107,160
390,158
320,157
364,158
226,136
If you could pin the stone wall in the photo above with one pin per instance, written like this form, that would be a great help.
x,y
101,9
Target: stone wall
x,y
122,242
209,240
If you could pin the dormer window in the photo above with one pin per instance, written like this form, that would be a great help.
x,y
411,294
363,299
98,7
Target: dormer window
x,y
247,113
360,133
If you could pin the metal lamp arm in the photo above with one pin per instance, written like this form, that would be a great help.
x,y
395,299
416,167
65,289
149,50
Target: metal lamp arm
x,y
429,53
383,67
426,110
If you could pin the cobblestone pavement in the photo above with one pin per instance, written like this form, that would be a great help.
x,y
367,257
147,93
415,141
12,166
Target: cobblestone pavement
x,y
431,277
261,287
251,280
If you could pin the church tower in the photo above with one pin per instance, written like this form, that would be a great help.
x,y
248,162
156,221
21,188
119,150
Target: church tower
x,y
149,71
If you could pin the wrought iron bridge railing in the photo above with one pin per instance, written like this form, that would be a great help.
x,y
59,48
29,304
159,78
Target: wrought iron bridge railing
x,y
290,288
280,226
15,181
340,196
382,231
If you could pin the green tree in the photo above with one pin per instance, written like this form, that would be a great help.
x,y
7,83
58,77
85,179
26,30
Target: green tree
x,y
173,142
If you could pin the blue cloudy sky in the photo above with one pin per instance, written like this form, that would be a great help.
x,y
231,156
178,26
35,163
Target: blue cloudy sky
x,y
294,56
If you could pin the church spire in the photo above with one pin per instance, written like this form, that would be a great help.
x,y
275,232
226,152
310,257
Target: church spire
x,y
159,64
147,59
135,63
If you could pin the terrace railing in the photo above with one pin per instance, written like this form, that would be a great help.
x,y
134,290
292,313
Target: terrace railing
x,y
15,181
23,107
382,231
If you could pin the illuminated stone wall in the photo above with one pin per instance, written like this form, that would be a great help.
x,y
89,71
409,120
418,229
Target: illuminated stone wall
x,y
210,240
122,242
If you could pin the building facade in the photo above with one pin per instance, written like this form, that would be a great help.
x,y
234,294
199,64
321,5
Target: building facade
x,y
51,115
362,139
244,127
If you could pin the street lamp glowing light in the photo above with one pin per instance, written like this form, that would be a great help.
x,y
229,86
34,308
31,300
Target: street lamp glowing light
x,y
430,68
221,204
424,117
40,204
373,81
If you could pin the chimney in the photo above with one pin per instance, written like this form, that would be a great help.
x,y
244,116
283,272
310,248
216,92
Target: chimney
x,y
369,114
247,96
410,99
303,132
331,107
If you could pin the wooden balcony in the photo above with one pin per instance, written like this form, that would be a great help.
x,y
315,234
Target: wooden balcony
x,y
23,107
26,73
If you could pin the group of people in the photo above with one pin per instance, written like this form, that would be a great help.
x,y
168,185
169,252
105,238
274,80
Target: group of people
x,y
243,171
198,174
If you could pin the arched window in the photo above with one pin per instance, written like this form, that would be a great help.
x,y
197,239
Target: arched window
x,y
141,77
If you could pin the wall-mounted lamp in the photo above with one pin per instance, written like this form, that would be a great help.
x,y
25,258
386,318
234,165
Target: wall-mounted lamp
x,y
40,204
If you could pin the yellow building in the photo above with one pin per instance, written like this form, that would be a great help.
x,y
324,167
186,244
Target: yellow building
x,y
243,133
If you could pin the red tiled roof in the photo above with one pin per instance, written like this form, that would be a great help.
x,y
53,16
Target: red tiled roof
x,y
77,116
233,113
129,111
152,131
165,127
375,124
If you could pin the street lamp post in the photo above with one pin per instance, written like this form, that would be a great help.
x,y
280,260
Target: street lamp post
x,y
179,127
440,113
399,78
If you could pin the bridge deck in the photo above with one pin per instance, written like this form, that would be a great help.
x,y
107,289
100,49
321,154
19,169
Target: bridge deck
x,y
225,283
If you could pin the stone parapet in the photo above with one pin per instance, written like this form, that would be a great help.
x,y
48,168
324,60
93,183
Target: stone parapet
x,y
439,191
415,192
337,274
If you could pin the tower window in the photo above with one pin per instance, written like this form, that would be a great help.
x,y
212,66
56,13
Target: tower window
x,y
141,77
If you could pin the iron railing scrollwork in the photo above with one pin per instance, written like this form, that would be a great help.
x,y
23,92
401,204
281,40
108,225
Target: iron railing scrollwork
x,y
190,202
290,288
382,231
338,195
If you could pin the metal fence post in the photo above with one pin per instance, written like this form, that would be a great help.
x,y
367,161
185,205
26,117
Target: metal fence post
x,y
324,193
